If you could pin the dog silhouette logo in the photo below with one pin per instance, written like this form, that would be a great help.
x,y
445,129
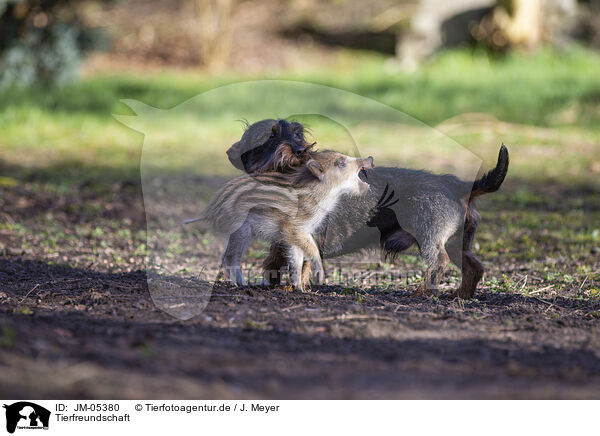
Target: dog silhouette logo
x,y
26,415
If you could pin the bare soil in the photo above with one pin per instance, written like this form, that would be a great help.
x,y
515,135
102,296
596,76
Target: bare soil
x,y
77,321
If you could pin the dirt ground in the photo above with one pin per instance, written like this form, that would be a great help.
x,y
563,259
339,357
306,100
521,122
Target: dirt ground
x,y
77,320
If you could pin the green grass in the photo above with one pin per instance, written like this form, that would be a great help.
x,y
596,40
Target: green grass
x,y
68,133
541,229
519,88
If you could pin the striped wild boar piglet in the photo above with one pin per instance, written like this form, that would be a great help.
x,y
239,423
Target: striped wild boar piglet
x,y
286,209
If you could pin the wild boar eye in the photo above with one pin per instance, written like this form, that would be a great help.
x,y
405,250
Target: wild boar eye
x,y
341,163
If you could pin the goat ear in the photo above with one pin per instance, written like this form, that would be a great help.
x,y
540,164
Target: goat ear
x,y
315,168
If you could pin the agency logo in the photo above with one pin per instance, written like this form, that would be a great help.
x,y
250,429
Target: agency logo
x,y
26,415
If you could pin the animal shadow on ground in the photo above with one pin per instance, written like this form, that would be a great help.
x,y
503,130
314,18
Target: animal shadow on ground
x,y
83,334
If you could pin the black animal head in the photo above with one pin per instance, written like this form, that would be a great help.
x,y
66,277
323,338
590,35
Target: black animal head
x,y
270,145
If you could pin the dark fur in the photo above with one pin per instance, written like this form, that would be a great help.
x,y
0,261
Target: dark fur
x,y
432,211
427,212
491,181
286,148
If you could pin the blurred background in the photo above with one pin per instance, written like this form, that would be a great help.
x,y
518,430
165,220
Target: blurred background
x,y
72,218
64,66
269,36
526,72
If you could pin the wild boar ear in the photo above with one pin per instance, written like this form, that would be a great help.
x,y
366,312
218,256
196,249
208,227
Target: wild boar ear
x,y
315,168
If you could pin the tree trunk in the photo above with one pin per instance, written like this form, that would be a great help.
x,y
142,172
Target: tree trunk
x,y
521,21
214,20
